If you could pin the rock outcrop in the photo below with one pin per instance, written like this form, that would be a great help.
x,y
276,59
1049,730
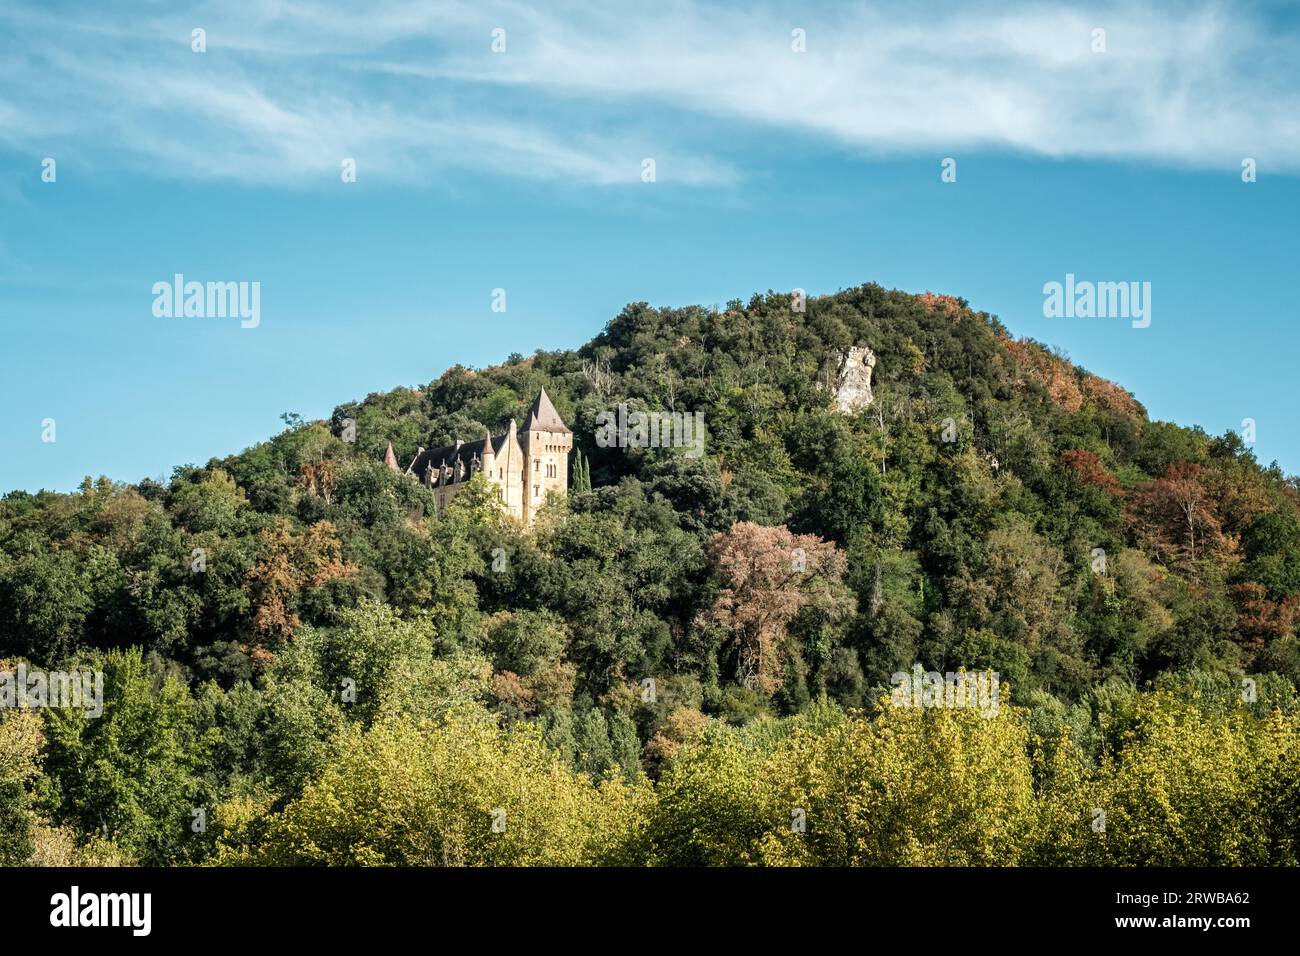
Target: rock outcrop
x,y
853,380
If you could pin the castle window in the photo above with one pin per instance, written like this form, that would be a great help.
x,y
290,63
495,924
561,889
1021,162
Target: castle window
x,y
536,490
537,464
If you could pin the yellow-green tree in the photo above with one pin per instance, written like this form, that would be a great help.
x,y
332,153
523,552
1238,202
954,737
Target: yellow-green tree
x,y
913,787
461,792
1189,788
909,787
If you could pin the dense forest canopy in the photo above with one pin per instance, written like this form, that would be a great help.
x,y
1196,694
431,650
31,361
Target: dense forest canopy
x,y
294,629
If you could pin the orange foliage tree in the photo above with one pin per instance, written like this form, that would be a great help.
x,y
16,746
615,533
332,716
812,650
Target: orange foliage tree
x,y
289,563
1176,517
1088,469
1259,619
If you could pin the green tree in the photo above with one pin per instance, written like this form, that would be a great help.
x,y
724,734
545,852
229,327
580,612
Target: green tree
x,y
130,772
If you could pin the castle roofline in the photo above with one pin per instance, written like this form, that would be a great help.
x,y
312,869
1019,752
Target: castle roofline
x,y
544,418
541,417
449,455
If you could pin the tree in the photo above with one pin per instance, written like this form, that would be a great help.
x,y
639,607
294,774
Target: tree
x,y
1186,788
458,792
1177,519
212,504
21,740
130,772
767,576
378,663
290,564
906,787
525,642
45,600
581,473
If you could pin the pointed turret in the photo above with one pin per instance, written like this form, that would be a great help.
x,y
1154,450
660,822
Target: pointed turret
x,y
390,459
544,418
488,453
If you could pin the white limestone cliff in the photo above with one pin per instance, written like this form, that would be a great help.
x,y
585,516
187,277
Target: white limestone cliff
x,y
853,380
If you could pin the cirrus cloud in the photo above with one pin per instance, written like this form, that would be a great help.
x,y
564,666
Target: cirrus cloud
x,y
414,92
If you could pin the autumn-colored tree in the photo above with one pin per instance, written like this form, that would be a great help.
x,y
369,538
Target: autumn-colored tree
x,y
1053,372
1177,519
946,304
289,563
1259,619
1111,398
1240,493
514,700
768,576
1088,470
320,477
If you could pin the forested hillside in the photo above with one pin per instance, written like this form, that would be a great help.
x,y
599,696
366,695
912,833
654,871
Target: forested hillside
x,y
297,646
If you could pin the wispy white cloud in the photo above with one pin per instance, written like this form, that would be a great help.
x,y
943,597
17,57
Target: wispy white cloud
x,y
583,92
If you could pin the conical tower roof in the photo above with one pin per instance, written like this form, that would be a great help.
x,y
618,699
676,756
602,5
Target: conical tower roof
x,y
544,417
390,459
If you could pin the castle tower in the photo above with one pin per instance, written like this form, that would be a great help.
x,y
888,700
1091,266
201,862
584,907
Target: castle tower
x,y
546,444
511,468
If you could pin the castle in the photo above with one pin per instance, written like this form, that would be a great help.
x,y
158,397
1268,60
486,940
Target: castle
x,y
522,469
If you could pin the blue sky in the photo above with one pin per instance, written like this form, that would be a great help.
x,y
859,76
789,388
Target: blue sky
x,y
522,170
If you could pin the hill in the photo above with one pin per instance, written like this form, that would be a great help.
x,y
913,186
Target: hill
x,y
994,507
